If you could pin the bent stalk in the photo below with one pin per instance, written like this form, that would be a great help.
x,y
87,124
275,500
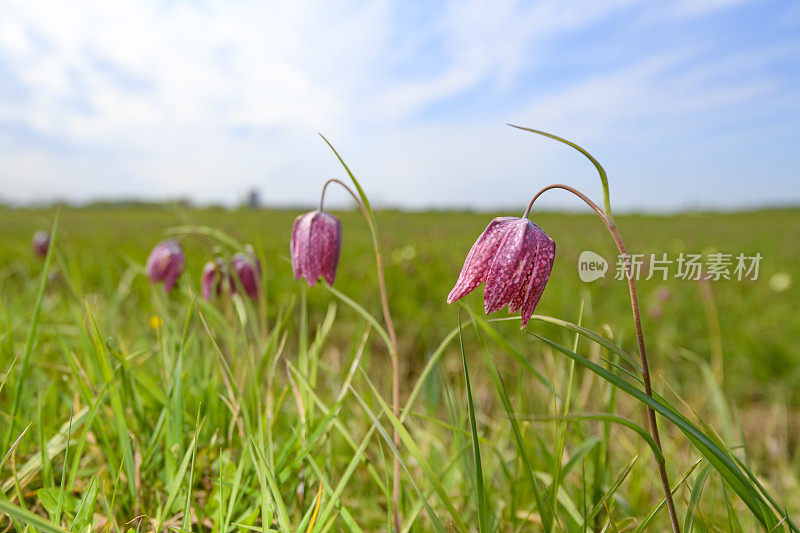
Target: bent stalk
x,y
387,317
637,322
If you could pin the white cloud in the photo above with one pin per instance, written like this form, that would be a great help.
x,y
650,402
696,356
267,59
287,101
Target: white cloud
x,y
207,99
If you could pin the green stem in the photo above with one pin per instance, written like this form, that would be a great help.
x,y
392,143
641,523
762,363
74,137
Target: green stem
x,y
595,162
637,322
387,317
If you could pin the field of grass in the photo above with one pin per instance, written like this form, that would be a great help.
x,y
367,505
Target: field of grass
x,y
122,408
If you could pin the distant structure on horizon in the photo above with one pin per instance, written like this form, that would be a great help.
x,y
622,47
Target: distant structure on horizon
x,y
253,199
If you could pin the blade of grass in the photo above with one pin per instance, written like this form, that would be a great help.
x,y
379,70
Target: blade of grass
x,y
607,417
609,493
119,418
114,496
437,525
85,510
54,446
187,508
31,339
316,510
361,311
590,335
561,428
543,504
82,439
346,515
361,192
175,486
694,499
417,454
261,463
508,348
483,523
60,502
644,524
13,447
721,461
233,498
581,452
28,518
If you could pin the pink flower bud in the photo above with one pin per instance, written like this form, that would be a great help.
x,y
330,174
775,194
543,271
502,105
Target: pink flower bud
x,y
41,242
248,270
315,245
514,257
165,264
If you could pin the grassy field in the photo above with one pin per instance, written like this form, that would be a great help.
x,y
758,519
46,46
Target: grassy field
x,y
139,410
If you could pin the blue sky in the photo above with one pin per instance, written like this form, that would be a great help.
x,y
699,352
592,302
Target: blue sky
x,y
688,104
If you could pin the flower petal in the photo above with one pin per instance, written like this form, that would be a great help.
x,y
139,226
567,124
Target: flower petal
x,y
326,243
473,273
248,272
298,246
173,270
543,265
510,266
518,299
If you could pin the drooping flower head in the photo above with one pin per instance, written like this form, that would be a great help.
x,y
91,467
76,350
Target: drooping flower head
x,y
248,269
165,263
514,257
212,277
41,242
315,245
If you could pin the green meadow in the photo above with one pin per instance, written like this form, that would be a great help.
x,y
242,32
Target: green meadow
x,y
123,408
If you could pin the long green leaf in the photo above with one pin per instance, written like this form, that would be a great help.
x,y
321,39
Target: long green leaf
x,y
261,463
361,192
694,499
22,379
609,493
615,419
595,162
176,482
29,518
543,504
390,442
644,524
721,461
419,457
476,450
361,311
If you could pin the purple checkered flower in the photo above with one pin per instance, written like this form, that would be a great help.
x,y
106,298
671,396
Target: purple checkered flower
x,y
165,264
248,269
315,245
514,257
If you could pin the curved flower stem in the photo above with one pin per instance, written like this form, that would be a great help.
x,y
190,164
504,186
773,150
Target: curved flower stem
x,y
590,157
387,317
637,322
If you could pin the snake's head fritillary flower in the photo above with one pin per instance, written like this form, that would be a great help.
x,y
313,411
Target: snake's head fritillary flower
x,y
248,269
41,242
514,257
315,245
212,277
165,264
